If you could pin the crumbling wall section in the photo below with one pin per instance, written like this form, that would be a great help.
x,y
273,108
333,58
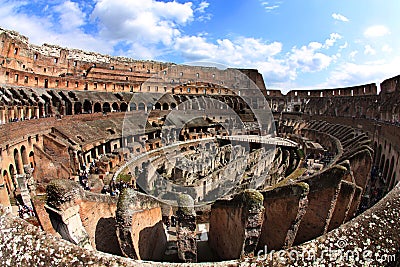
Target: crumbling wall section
x,y
324,191
186,229
82,217
284,208
235,225
139,226
63,209
48,169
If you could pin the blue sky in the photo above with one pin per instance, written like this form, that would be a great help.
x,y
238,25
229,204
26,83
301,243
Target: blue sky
x,y
294,44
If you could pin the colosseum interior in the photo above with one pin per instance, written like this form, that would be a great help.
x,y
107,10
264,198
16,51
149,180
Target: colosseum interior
x,y
111,161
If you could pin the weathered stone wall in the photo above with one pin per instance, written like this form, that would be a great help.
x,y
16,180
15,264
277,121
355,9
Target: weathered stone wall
x,y
324,190
379,225
97,213
186,229
284,209
84,218
235,225
139,226
48,169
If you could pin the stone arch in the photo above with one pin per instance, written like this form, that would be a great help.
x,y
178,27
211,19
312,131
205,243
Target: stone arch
x,y
173,105
24,155
149,106
378,155
87,106
18,162
124,107
229,102
201,102
136,171
106,107
77,108
385,170
382,162
32,159
393,182
97,107
9,185
157,106
115,106
132,106
235,103
390,173
141,106
11,171
41,109
165,106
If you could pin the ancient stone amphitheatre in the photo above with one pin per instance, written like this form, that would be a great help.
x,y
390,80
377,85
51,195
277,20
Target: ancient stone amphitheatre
x,y
111,161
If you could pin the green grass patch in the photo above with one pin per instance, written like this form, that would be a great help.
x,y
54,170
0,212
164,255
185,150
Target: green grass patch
x,y
124,177
293,176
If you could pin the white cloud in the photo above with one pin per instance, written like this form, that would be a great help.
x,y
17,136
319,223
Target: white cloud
x,y
352,55
387,48
240,51
268,6
145,21
46,29
277,68
71,16
307,59
368,50
201,10
332,40
348,74
202,6
344,46
376,31
339,17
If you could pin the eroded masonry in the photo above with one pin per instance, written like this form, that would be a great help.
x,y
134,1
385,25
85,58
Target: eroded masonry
x,y
161,164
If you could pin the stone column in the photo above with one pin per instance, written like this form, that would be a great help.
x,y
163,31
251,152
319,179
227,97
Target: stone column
x,y
2,116
235,225
29,115
43,111
36,111
186,229
11,113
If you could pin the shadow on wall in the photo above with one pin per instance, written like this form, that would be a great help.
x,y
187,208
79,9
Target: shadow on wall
x,y
106,237
59,225
152,242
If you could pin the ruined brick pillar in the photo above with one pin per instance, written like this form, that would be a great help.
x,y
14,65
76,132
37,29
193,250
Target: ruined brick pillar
x,y
2,116
36,111
140,230
186,229
235,225
29,112
20,112
62,204
285,207
11,113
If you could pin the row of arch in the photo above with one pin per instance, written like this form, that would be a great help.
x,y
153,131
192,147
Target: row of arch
x,y
21,158
88,107
385,161
188,102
